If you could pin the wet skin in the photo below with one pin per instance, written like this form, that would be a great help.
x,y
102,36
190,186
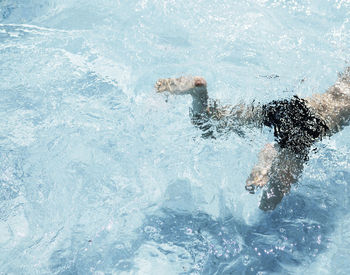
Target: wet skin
x,y
277,168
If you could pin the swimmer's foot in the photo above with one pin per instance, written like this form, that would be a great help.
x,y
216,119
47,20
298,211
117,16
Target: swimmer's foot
x,y
184,85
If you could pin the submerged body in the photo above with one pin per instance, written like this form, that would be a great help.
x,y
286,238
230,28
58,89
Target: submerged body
x,y
297,123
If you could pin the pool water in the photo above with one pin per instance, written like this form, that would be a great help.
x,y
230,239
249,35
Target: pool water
x,y
101,175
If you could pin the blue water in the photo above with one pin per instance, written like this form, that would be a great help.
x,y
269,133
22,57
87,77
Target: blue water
x,y
100,175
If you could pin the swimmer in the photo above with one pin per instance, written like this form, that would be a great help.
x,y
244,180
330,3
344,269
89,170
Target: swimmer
x,y
297,124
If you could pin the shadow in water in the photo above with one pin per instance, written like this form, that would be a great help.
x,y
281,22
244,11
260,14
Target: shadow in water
x,y
281,240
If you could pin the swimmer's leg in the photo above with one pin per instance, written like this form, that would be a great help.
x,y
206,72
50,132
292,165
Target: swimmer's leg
x,y
196,87
285,170
344,77
333,106
212,118
259,175
187,85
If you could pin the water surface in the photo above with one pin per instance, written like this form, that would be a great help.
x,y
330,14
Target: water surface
x,y
100,175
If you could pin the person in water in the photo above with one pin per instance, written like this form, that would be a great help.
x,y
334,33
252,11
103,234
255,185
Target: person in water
x,y
297,124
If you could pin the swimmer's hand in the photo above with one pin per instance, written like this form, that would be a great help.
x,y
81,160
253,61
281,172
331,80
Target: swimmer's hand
x,y
184,85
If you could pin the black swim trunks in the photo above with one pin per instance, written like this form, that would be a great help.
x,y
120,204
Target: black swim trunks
x,y
295,126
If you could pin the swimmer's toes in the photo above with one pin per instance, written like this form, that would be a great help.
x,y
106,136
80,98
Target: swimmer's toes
x,y
250,189
160,86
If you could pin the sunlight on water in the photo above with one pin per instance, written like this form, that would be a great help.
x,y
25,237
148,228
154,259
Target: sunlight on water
x,y
100,175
